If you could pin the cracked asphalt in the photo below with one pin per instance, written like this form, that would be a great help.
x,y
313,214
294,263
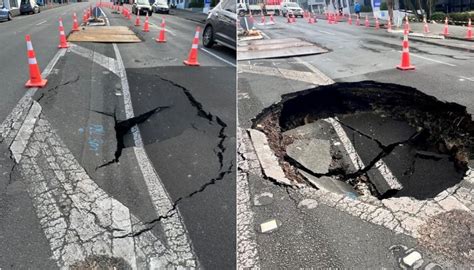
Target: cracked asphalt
x,y
83,187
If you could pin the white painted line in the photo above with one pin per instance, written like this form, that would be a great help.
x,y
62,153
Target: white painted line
x,y
21,140
466,78
100,59
318,73
218,57
40,23
325,32
264,35
430,59
386,173
173,227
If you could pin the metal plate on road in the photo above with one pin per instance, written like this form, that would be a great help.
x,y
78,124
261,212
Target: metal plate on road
x,y
115,34
275,48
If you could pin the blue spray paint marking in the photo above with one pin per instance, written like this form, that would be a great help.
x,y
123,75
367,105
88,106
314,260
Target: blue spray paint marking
x,y
96,133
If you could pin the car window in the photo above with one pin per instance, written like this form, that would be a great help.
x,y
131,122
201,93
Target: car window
x,y
161,2
292,5
24,2
143,2
229,5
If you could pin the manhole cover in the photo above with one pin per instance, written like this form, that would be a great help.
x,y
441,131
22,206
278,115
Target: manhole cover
x,y
381,139
273,48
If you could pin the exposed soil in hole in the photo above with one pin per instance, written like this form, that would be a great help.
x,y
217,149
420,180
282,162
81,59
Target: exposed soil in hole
x,y
426,143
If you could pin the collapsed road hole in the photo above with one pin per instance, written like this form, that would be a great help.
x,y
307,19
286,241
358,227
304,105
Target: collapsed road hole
x,y
386,140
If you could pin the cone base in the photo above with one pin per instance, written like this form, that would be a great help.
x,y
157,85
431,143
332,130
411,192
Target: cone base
x,y
146,30
405,68
188,63
160,41
41,83
74,30
63,46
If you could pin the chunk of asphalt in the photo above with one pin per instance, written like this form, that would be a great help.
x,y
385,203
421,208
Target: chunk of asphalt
x,y
269,162
319,129
262,199
330,184
313,154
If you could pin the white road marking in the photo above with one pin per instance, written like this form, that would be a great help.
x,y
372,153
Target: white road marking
x,y
173,228
264,35
316,71
40,23
357,161
430,59
218,57
18,145
466,78
288,74
100,59
325,32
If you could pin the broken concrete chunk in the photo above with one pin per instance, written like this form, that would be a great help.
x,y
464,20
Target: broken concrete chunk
x,y
308,204
269,226
329,184
313,154
268,160
319,130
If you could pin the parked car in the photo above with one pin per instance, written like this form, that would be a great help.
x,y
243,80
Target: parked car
x,y
220,25
29,7
143,7
291,8
160,6
5,13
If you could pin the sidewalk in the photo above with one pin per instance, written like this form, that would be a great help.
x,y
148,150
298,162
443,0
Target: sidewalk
x,y
455,31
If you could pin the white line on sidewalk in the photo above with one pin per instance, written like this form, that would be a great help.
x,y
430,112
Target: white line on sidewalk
x,y
218,57
40,23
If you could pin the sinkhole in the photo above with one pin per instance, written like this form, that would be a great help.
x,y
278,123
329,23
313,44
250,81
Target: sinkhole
x,y
370,138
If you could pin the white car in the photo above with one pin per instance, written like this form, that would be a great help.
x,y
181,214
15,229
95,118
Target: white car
x,y
291,8
160,6
142,7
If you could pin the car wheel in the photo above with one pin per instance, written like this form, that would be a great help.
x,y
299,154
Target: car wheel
x,y
208,37
9,16
150,13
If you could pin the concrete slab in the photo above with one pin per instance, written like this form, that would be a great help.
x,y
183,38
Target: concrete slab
x,y
314,154
268,160
319,129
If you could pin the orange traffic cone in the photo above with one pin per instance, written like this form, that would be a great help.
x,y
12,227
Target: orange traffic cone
x,y
446,31
426,30
161,37
62,36
272,21
35,74
405,64
146,26
75,26
469,30
367,21
193,54
377,23
129,15
389,25
288,18
293,18
84,18
349,20
262,21
137,20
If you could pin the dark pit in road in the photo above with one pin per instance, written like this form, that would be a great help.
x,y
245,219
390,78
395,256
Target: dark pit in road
x,y
408,143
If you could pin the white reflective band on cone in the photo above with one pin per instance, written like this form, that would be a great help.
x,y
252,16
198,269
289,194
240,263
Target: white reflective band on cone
x,y
196,35
61,32
29,46
195,46
60,23
32,61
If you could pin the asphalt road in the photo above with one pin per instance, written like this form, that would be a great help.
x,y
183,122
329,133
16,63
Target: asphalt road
x,y
190,143
355,54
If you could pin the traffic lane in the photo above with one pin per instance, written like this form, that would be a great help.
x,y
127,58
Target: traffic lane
x,y
193,151
179,36
45,37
